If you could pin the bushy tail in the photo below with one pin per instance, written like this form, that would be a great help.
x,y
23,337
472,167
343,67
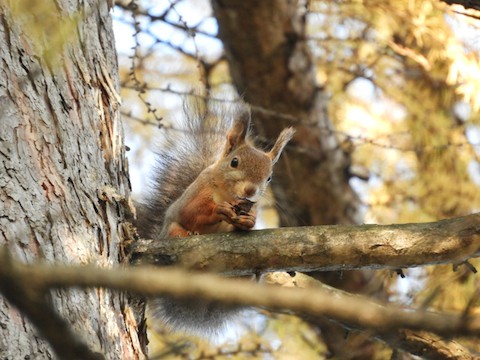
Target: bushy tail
x,y
184,151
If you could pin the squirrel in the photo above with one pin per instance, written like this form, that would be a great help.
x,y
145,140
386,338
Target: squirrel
x,y
208,179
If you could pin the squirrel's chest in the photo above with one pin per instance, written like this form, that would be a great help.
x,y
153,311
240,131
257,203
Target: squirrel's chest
x,y
201,215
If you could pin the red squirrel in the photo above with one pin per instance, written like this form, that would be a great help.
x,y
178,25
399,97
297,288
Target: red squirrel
x,y
208,179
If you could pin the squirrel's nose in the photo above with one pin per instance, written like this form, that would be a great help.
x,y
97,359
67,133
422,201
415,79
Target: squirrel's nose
x,y
250,190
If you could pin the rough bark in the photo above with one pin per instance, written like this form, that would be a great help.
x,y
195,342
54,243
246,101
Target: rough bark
x,y
428,345
63,175
320,248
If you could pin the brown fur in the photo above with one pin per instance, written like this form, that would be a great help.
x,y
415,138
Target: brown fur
x,y
220,197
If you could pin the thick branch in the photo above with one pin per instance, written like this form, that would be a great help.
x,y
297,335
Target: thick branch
x,y
427,345
182,284
320,248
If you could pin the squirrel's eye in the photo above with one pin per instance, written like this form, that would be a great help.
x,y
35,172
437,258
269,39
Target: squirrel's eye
x,y
234,162
269,179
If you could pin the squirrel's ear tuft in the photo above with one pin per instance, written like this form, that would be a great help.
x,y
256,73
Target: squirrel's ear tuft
x,y
237,134
282,140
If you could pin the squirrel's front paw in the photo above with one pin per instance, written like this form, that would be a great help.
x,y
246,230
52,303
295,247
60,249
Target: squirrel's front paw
x,y
246,218
244,222
239,218
226,211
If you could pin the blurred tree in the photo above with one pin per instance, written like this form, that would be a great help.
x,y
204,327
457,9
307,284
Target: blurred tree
x,y
385,98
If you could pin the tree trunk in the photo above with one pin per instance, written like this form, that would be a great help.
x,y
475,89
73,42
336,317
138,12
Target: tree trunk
x,y
271,64
64,184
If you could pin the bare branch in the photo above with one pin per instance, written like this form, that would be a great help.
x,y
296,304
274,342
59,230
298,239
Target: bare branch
x,y
467,4
421,343
182,284
427,345
320,248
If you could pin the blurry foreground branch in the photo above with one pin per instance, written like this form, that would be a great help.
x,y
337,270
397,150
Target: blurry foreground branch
x,y
32,299
148,281
467,4
420,343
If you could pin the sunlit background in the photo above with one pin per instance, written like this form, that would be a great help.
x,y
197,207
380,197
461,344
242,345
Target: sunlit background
x,y
403,80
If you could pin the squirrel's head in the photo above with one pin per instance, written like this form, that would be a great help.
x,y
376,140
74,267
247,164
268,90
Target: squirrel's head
x,y
245,169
